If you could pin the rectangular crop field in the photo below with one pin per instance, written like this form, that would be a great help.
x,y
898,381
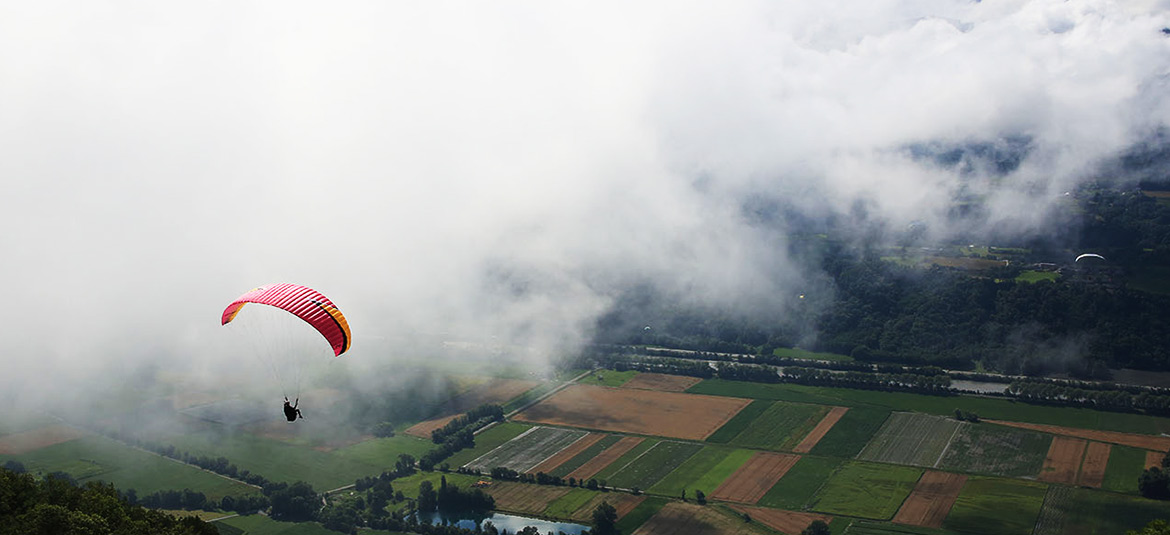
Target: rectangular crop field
x,y
653,465
548,465
677,517
1154,458
911,438
855,429
523,498
782,521
622,502
660,381
739,422
994,506
754,478
1076,511
822,428
641,513
866,490
608,377
643,412
33,439
570,466
1149,442
995,450
614,458
1125,465
488,440
801,483
567,504
1063,461
527,450
782,426
703,471
931,500
1093,467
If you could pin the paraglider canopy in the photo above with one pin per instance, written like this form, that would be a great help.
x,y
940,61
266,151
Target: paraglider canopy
x,y
303,302
1090,255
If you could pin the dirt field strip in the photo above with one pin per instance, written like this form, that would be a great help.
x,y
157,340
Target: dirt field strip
x,y
678,518
521,498
663,382
640,412
622,502
24,442
1145,442
609,455
1093,467
931,500
753,480
1154,458
1063,461
782,521
493,391
822,428
550,464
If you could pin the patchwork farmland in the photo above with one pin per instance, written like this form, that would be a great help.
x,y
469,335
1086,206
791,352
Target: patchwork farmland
x,y
607,456
663,382
995,450
931,500
822,428
911,438
642,412
754,478
1063,462
781,426
527,450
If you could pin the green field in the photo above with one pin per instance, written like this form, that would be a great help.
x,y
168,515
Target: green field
x,y
635,518
997,450
566,505
1037,276
276,460
262,525
797,353
1125,465
488,441
626,458
866,490
568,466
852,432
994,506
781,426
608,377
1076,511
986,408
655,464
738,423
409,485
911,438
801,483
96,458
865,527
384,452
704,471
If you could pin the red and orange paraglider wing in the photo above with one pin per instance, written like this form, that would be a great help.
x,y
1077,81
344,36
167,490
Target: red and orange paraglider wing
x,y
303,302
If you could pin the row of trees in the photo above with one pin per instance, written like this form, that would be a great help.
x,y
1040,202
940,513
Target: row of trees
x,y
1117,400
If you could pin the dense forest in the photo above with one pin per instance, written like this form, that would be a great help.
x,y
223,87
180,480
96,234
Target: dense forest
x,y
1084,320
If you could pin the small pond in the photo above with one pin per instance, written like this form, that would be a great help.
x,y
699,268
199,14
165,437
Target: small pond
x,y
504,521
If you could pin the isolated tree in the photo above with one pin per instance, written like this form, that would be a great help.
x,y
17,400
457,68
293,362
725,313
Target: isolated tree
x,y
427,497
818,527
605,519
700,498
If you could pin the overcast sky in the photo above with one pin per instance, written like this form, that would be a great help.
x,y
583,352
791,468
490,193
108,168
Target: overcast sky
x,y
160,158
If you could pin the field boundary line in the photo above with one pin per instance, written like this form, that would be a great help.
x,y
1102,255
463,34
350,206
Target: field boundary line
x,y
548,394
485,454
948,446
627,465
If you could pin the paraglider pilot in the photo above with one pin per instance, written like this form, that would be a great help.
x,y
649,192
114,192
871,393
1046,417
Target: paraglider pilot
x,y
291,411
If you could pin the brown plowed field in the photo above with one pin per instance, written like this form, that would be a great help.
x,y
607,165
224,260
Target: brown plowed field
x,y
790,522
608,455
1154,458
661,381
1093,468
622,502
27,441
755,477
1063,461
820,430
521,498
641,412
551,463
678,518
1145,442
932,499
493,391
